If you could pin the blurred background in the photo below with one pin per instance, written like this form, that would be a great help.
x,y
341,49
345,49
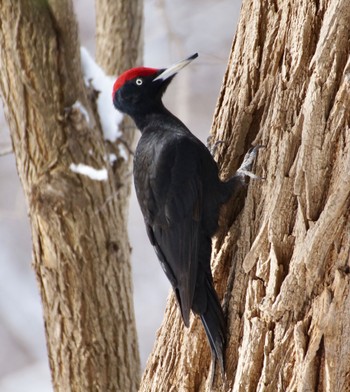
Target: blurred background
x,y
173,30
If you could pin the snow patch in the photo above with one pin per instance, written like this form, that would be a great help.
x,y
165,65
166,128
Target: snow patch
x,y
85,170
110,118
112,158
79,106
123,152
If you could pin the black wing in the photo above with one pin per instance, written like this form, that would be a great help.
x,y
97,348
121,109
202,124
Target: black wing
x,y
171,201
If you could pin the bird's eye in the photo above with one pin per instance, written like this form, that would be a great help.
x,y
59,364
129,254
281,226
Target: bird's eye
x,y
139,82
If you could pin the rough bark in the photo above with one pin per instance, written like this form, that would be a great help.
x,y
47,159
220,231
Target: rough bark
x,y
119,46
282,266
118,32
80,247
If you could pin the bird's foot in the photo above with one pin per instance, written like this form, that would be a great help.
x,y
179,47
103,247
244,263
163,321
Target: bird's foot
x,y
212,147
247,164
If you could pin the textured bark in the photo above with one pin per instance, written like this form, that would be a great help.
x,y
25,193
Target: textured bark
x,y
282,266
119,46
80,247
118,32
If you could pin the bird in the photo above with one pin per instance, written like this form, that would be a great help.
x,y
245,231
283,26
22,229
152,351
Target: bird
x,y
180,195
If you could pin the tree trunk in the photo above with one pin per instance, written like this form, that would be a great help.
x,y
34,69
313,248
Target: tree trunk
x,y
80,247
118,31
119,47
282,265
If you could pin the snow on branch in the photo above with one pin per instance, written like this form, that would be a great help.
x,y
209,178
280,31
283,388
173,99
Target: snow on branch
x,y
110,118
85,170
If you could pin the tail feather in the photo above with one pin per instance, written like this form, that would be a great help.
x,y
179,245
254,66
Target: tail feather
x,y
215,326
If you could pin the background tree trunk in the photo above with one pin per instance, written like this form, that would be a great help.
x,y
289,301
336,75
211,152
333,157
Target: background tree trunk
x,y
281,267
80,247
119,46
118,31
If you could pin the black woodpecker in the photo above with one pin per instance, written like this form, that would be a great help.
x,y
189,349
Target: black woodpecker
x,y
180,194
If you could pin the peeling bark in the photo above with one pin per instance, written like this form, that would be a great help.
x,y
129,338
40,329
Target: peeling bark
x,y
80,247
282,266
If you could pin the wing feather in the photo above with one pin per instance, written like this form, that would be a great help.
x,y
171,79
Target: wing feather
x,y
172,213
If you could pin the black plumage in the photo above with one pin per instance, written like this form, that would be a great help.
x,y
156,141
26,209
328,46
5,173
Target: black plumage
x,y
180,194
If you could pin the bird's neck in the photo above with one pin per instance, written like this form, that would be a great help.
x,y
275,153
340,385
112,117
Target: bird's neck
x,y
158,115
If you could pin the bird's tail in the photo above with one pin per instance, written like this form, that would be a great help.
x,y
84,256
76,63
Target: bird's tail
x,y
215,326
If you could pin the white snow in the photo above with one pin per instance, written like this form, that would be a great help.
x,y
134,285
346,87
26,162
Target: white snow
x,y
79,106
123,152
110,118
85,170
112,158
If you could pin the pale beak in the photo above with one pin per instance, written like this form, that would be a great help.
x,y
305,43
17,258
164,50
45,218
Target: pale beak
x,y
174,69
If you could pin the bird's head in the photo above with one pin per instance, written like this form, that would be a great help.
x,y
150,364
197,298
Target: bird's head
x,y
139,90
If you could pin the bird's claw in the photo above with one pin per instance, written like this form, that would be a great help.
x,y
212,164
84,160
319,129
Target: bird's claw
x,y
213,147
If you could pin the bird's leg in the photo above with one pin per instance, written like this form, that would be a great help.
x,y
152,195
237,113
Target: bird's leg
x,y
237,183
246,166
